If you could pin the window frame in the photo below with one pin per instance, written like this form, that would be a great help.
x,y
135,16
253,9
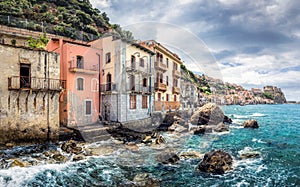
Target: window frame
x,y
108,57
144,101
132,101
77,84
85,107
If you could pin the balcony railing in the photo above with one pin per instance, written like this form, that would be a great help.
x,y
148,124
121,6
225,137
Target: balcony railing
x,y
176,90
83,67
135,67
34,83
139,88
108,87
176,73
160,66
160,86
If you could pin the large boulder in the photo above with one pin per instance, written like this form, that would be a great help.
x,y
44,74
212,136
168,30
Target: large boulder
x,y
221,127
145,179
167,157
251,123
216,162
209,114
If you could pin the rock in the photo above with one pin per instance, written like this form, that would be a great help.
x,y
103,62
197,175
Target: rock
x,y
209,114
17,162
145,179
59,158
132,146
221,128
216,162
100,151
198,130
190,154
147,139
78,157
248,153
177,128
167,158
10,145
71,147
251,123
159,140
227,120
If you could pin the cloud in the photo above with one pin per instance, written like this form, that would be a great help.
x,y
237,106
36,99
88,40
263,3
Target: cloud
x,y
254,42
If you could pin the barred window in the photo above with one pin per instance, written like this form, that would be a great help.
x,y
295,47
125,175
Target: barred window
x,y
144,101
132,101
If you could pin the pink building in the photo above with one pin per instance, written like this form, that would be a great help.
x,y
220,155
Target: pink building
x,y
80,67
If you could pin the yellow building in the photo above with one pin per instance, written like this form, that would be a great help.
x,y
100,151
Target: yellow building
x,y
166,77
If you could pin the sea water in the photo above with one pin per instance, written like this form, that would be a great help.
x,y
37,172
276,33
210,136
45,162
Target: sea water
x,y
277,140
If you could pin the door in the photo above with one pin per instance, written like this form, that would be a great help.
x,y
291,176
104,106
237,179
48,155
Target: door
x,y
108,78
25,80
106,112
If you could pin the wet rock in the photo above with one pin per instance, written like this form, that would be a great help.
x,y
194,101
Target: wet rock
x,y
147,139
59,158
145,179
221,127
216,162
132,146
10,145
198,130
17,162
209,114
167,158
100,151
251,123
159,140
190,154
177,128
78,157
227,120
248,153
71,147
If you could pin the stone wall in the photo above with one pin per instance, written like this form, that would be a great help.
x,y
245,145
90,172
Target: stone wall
x,y
28,115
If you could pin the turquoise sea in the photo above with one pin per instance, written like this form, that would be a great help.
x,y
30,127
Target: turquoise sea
x,y
277,139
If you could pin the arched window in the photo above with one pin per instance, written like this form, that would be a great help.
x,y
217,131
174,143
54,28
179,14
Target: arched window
x,y
80,83
108,82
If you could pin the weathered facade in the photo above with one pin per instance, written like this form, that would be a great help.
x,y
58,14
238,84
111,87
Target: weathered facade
x,y
126,80
167,77
30,88
80,67
189,94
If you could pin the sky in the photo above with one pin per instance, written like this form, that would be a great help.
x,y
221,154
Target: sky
x,y
251,43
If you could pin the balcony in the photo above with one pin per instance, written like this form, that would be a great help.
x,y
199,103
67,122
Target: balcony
x,y
134,67
86,68
176,90
176,73
35,84
160,87
108,87
160,66
139,89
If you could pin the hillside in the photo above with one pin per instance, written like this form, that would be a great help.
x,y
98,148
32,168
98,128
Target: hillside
x,y
76,19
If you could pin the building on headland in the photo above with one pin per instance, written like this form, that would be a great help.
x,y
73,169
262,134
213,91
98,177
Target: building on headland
x,y
30,90
126,79
167,77
80,66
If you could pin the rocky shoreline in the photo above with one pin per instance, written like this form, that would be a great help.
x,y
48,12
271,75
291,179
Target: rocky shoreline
x,y
209,118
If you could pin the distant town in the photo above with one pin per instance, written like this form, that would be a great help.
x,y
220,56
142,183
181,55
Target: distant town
x,y
50,81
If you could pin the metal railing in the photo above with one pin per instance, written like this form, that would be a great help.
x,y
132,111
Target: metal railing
x,y
160,65
108,87
139,88
34,83
160,86
81,65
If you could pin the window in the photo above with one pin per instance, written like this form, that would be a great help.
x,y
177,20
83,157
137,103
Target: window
x,y
167,63
161,78
107,58
167,80
79,62
175,82
167,97
94,85
88,107
145,82
144,101
25,76
175,97
79,83
132,82
132,101
142,62
132,62
174,66
159,97
108,82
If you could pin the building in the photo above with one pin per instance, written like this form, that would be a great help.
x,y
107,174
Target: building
x,y
189,94
167,77
80,66
126,79
30,90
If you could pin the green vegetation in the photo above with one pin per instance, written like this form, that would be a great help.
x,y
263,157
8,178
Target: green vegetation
x,y
76,19
38,43
268,95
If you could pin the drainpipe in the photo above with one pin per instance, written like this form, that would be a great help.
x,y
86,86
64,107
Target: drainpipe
x,y
150,84
99,88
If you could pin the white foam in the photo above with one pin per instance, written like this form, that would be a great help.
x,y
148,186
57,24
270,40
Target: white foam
x,y
240,116
258,115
